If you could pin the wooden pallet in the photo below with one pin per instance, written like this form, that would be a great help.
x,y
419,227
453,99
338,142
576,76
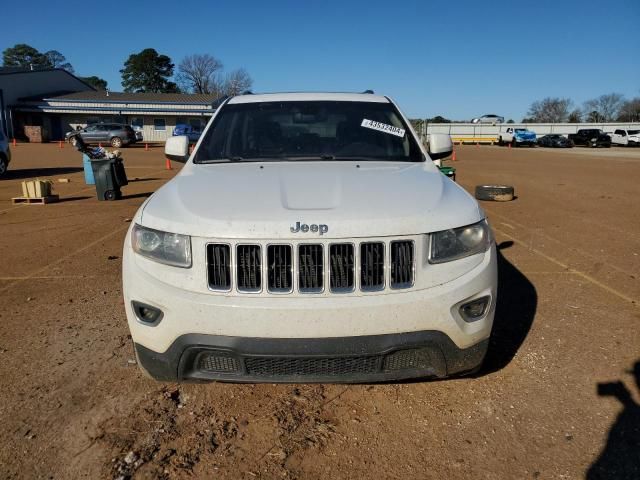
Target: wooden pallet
x,y
36,200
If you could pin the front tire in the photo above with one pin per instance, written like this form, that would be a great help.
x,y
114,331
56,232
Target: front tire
x,y
514,144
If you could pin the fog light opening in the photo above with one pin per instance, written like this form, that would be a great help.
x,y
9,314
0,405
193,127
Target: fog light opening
x,y
475,309
146,313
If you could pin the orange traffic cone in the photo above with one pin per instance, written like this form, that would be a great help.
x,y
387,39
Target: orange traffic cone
x,y
509,146
14,143
146,147
60,144
453,157
167,164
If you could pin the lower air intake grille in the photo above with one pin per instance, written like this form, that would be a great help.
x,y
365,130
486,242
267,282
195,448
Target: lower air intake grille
x,y
372,266
310,268
249,266
291,366
218,362
417,358
341,267
401,264
218,266
280,273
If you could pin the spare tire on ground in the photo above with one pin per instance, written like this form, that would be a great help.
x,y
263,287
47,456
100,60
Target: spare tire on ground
x,y
495,193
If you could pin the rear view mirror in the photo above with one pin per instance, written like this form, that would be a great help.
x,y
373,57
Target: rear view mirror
x,y
177,148
440,146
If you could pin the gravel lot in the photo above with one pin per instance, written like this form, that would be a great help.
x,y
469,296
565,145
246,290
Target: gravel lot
x,y
556,398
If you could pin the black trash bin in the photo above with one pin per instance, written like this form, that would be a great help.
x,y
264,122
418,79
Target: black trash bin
x,y
109,175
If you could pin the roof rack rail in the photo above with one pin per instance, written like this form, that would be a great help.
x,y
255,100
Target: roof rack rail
x,y
368,91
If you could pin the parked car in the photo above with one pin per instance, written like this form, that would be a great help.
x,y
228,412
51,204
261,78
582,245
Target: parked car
x,y
629,138
555,140
5,153
516,136
309,237
116,134
590,137
188,130
492,119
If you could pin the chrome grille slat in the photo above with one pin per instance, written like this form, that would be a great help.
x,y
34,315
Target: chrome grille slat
x,y
310,268
219,266
372,266
401,264
249,268
280,268
342,267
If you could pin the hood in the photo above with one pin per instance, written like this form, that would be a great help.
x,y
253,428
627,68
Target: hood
x,y
265,200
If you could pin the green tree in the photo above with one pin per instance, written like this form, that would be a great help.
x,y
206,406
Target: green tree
x,y
148,71
23,55
57,60
510,121
96,82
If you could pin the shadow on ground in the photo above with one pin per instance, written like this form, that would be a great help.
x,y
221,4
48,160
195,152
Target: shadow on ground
x,y
620,458
137,195
39,172
515,311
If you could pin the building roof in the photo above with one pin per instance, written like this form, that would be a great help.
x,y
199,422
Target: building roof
x,y
142,97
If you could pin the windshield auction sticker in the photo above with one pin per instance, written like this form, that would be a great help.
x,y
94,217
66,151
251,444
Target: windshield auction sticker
x,y
383,127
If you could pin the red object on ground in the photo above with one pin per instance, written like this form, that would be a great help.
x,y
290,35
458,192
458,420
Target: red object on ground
x,y
61,145
453,158
509,145
14,142
146,147
167,164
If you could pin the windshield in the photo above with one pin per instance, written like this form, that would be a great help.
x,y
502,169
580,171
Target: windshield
x,y
309,130
633,132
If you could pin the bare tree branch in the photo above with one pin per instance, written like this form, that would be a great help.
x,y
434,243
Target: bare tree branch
x,y
199,73
550,110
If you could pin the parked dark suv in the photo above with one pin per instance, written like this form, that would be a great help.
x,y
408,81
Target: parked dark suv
x,y
116,134
591,137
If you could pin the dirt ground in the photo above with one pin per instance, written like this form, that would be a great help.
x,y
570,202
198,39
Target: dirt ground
x,y
556,398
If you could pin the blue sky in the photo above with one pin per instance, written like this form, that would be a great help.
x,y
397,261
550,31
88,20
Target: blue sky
x,y
457,59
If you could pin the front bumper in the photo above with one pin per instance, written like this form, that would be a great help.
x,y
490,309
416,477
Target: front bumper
x,y
307,338
372,358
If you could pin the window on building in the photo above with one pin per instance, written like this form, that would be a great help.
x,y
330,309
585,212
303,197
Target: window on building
x,y
196,124
159,124
181,121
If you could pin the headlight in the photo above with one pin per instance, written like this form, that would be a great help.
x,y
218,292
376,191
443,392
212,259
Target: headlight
x,y
457,243
164,247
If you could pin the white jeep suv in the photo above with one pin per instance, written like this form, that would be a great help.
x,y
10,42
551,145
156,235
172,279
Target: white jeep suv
x,y
309,238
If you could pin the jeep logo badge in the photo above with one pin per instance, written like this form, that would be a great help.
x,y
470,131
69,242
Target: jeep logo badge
x,y
315,228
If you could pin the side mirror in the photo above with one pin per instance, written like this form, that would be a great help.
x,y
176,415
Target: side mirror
x,y
440,146
177,148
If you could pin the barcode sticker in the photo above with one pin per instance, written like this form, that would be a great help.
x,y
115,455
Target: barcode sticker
x,y
383,127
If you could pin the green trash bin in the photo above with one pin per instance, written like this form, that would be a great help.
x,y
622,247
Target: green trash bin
x,y
109,175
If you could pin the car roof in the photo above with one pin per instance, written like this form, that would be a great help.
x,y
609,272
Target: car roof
x,y
308,96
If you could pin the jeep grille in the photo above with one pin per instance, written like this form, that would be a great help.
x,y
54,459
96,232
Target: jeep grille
x,y
368,266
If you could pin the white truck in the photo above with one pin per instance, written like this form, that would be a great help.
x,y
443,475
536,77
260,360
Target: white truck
x,y
516,136
309,237
626,137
